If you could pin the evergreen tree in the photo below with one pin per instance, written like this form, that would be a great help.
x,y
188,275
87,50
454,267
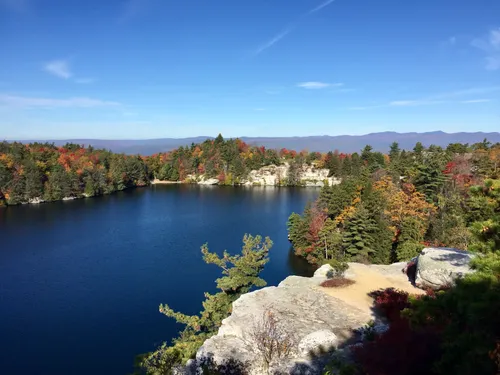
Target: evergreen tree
x,y
430,180
333,164
394,151
240,275
357,239
33,181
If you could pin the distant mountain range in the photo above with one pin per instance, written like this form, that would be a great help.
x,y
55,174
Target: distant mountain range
x,y
342,143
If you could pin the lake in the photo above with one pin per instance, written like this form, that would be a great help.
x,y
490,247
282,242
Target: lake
x,y
81,281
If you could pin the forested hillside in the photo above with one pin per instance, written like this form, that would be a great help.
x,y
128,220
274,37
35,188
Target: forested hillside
x,y
388,207
45,172
37,172
229,161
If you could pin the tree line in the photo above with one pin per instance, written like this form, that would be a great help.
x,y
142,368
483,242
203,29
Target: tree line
x,y
43,171
388,207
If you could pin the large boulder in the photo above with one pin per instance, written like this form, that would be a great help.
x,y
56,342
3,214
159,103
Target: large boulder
x,y
209,181
439,268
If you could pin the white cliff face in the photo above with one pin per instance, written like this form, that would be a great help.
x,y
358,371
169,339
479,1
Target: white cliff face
x,y
271,175
277,175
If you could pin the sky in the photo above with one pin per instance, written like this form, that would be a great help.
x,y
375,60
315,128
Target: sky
x,y
138,69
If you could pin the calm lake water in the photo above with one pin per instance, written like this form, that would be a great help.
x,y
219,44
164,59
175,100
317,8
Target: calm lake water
x,y
81,281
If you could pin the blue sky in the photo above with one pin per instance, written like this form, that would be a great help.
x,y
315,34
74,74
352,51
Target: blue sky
x,y
161,68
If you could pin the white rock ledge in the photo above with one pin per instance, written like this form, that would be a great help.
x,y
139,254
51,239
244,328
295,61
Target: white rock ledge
x,y
318,321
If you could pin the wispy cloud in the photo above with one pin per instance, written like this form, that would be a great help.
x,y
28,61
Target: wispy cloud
x,y
442,98
314,85
466,92
414,103
476,101
275,39
490,46
62,69
259,109
321,6
37,102
59,68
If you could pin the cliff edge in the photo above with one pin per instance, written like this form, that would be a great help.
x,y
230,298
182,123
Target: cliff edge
x,y
291,328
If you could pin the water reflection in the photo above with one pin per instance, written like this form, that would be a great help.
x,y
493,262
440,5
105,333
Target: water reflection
x,y
298,265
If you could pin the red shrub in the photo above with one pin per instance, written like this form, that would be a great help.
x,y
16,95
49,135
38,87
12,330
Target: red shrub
x,y
390,302
402,349
399,351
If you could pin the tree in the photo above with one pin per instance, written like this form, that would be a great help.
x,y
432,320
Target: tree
x,y
298,227
240,275
357,237
330,240
486,230
430,179
418,149
33,181
403,204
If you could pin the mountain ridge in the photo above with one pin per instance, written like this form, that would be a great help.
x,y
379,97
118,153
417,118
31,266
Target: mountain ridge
x,y
380,141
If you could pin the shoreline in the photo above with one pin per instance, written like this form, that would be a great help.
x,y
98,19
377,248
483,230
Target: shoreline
x,y
38,201
165,182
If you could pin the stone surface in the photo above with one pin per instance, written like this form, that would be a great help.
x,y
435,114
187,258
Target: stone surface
x,y
440,267
208,181
300,308
323,339
317,318
36,200
275,175
326,271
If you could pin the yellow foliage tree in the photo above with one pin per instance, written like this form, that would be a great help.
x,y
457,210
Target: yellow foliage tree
x,y
404,203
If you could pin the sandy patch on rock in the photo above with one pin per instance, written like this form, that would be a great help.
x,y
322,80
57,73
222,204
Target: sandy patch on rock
x,y
368,279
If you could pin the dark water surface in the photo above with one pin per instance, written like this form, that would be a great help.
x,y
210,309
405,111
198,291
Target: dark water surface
x,y
81,281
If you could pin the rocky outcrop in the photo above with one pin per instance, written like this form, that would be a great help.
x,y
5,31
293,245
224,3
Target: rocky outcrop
x,y
275,175
36,200
304,322
208,181
308,319
271,175
439,268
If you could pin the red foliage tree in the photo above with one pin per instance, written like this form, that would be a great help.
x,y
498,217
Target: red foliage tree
x,y
402,349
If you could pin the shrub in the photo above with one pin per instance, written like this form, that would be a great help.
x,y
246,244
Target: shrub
x,y
230,366
339,268
408,250
270,339
401,350
390,302
338,282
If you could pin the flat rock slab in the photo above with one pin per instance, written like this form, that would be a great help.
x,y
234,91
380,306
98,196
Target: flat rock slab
x,y
313,317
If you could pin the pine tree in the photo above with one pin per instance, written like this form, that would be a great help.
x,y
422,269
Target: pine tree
x,y
240,275
358,236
